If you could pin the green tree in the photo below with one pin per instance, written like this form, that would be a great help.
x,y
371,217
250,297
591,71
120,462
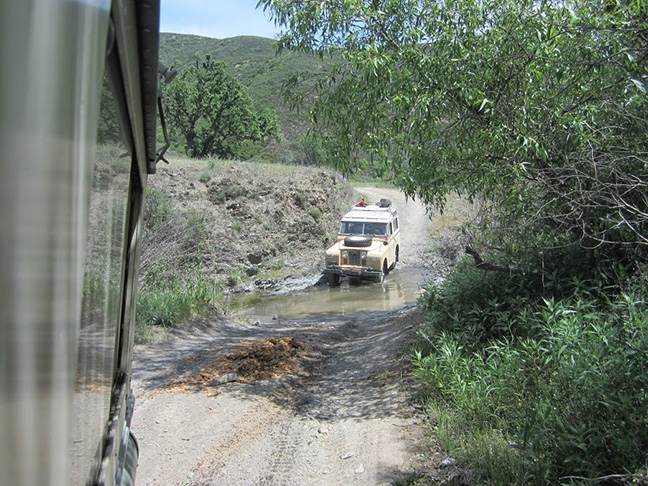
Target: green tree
x,y
212,112
535,108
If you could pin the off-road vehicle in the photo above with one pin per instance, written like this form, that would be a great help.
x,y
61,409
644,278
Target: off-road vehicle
x,y
367,245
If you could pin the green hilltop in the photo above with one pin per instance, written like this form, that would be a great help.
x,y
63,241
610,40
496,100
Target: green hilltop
x,y
254,61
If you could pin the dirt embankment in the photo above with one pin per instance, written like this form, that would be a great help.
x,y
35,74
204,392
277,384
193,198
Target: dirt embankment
x,y
321,400
267,222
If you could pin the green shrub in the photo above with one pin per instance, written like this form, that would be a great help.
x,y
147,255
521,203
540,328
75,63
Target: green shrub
x,y
230,192
480,304
174,285
218,197
529,389
172,299
301,198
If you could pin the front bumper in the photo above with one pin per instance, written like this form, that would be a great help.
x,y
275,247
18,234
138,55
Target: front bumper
x,y
352,271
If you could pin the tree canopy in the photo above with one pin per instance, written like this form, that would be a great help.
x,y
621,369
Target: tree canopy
x,y
212,113
535,108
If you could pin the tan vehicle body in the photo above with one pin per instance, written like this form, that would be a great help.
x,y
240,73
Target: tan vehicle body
x,y
368,244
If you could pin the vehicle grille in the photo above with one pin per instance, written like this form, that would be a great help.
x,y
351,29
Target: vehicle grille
x,y
354,258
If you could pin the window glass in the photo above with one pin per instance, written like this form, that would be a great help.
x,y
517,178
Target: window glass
x,y
378,229
101,290
351,227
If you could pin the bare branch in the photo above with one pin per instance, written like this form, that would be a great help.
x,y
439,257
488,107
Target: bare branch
x,y
479,263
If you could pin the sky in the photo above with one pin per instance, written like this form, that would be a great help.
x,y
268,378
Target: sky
x,y
215,18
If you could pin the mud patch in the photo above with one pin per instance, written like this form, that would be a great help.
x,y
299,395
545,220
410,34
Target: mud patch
x,y
250,362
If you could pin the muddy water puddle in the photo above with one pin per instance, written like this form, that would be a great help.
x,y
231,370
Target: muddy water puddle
x,y
401,287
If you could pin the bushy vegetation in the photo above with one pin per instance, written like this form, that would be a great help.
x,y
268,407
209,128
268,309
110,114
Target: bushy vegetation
x,y
254,64
537,381
173,285
211,114
174,298
536,111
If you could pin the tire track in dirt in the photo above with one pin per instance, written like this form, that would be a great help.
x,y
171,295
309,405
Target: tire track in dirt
x,y
288,441
221,465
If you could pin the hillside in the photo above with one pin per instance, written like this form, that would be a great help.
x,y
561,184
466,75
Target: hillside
x,y
254,61
240,223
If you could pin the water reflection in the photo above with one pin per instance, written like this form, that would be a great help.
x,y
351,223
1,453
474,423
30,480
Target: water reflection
x,y
401,287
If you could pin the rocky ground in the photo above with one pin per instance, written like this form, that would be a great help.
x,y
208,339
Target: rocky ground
x,y
299,401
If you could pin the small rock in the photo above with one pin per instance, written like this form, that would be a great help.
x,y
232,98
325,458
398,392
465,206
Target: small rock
x,y
225,379
254,259
360,469
347,455
448,462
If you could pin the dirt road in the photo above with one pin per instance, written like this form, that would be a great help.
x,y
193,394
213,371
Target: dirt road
x,y
332,408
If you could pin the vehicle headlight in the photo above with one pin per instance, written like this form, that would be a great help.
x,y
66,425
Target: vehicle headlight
x,y
363,255
345,254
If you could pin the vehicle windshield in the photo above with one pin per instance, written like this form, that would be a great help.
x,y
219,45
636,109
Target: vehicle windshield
x,y
359,228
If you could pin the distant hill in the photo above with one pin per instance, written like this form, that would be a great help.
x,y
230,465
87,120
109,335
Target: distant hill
x,y
254,62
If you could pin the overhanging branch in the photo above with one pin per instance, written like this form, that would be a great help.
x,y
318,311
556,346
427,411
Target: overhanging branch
x,y
479,263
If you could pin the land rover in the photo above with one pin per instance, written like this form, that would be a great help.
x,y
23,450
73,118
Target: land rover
x,y
368,244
